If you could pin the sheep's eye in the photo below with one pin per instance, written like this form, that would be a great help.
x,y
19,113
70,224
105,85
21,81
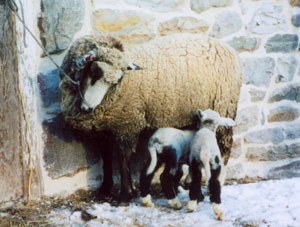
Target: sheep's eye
x,y
208,122
98,73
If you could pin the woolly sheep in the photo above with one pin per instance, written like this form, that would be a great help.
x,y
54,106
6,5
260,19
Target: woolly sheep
x,y
180,73
205,153
167,146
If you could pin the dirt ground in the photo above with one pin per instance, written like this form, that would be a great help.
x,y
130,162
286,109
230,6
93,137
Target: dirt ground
x,y
35,214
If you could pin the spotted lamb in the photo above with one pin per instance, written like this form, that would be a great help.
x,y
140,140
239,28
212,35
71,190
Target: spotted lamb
x,y
167,146
205,153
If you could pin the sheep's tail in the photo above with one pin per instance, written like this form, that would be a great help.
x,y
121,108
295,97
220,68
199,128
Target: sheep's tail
x,y
153,161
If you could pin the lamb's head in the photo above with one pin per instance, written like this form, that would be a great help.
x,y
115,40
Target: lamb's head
x,y
211,119
101,74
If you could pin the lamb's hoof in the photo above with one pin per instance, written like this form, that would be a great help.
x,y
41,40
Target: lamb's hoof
x,y
218,211
186,185
146,201
200,198
183,190
175,203
192,205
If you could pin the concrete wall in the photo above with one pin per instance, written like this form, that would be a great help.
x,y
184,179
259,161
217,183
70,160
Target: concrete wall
x,y
265,34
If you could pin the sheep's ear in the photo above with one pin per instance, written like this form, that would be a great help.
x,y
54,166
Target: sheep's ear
x,y
227,122
132,66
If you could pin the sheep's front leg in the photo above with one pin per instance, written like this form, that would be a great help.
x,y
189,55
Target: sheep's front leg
x,y
125,153
107,184
107,150
195,193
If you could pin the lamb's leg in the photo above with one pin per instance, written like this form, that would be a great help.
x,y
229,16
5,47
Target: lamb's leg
x,y
145,183
215,192
127,190
207,172
178,177
195,193
167,178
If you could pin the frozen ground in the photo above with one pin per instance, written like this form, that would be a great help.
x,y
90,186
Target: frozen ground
x,y
267,203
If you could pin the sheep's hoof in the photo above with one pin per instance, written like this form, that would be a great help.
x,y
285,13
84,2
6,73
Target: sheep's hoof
x,y
124,198
218,211
192,205
146,201
106,189
175,203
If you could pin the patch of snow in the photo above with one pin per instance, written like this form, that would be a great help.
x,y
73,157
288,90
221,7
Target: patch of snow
x,y
266,203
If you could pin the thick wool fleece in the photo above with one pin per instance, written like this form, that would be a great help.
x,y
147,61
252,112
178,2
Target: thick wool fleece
x,y
107,49
181,73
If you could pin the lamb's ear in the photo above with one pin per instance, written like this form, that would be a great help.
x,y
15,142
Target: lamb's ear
x,y
227,122
200,113
132,66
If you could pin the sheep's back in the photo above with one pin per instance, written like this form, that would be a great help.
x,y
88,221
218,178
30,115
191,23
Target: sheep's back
x,y
183,73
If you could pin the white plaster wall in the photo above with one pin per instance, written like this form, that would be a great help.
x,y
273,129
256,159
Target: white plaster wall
x,y
28,58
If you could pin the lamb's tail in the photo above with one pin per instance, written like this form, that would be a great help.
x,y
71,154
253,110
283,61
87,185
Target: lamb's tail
x,y
153,161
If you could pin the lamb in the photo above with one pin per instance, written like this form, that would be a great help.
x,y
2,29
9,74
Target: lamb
x,y
167,146
205,153
180,74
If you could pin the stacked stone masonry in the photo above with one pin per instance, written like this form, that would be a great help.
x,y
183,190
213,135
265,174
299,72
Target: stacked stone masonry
x,y
264,33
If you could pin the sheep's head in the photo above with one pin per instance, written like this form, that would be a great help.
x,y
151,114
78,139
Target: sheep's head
x,y
95,84
99,64
211,119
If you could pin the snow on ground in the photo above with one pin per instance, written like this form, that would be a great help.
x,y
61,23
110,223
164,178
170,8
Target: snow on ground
x,y
266,203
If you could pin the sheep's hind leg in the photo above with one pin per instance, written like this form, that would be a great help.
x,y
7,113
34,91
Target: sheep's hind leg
x,y
167,179
145,183
195,193
178,177
215,192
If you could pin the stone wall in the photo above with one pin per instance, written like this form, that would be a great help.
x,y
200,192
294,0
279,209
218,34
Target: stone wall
x,y
265,34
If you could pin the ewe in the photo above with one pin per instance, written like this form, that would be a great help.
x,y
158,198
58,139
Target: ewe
x,y
180,74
